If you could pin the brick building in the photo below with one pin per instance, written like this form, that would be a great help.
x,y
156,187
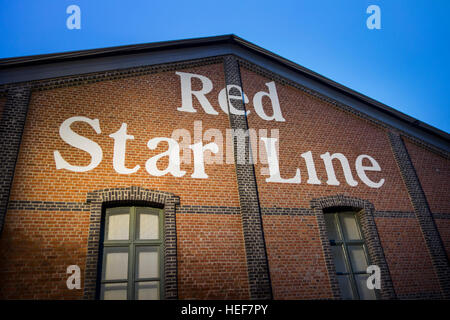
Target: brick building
x,y
150,167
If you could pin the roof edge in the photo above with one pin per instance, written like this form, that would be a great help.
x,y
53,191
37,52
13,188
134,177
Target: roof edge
x,y
108,51
204,41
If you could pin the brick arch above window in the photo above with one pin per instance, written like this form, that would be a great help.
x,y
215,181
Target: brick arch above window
x,y
101,198
342,201
364,211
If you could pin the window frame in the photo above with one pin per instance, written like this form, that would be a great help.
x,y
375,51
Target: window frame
x,y
344,243
132,245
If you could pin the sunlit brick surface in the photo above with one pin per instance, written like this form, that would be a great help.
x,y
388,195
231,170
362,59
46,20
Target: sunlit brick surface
x,y
50,223
211,257
148,104
297,265
35,249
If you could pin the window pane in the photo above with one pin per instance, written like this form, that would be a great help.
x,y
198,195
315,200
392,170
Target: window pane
x,y
118,224
332,231
116,263
148,221
345,286
339,259
148,262
348,221
364,292
358,258
114,291
148,290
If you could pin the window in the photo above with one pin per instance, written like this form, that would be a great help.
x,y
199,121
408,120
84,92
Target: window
x,y
350,254
132,258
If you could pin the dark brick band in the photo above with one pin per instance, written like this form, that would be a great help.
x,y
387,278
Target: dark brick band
x,y
98,199
278,211
208,210
12,124
255,249
441,215
365,211
82,206
393,214
423,213
287,211
420,296
48,206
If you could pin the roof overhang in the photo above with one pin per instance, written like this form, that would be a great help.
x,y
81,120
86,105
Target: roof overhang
x,y
47,66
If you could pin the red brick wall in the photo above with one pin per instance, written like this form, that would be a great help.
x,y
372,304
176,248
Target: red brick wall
x,y
433,171
407,256
210,257
314,125
443,226
148,105
38,246
296,262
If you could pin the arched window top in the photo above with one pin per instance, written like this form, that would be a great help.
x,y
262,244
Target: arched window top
x,y
341,201
363,211
112,202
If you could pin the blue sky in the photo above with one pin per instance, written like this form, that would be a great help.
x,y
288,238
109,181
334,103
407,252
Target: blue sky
x,y
405,64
